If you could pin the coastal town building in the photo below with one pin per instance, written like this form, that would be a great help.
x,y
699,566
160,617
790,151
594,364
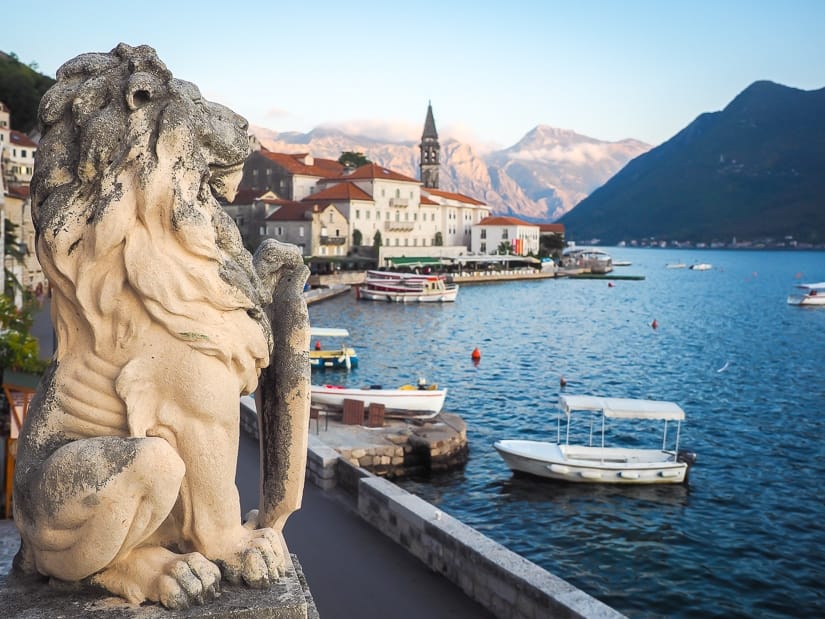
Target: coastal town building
x,y
495,234
372,207
16,150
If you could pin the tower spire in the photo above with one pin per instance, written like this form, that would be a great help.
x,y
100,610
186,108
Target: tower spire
x,y
429,148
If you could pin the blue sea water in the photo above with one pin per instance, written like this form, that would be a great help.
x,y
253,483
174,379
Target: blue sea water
x,y
746,536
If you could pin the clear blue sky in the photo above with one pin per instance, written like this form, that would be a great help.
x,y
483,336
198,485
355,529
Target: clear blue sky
x,y
493,70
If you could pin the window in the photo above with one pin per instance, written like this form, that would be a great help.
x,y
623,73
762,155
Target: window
x,y
367,213
397,191
262,230
505,234
301,231
330,216
484,233
406,242
358,213
23,153
484,248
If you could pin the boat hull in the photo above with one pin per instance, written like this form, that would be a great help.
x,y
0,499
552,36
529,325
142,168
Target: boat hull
x,y
592,464
366,293
414,400
811,300
333,359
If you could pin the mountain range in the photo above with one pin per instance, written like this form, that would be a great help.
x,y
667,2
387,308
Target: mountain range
x,y
538,179
753,171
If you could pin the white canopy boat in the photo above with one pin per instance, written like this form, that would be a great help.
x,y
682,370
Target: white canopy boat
x,y
701,266
336,358
422,401
601,464
810,294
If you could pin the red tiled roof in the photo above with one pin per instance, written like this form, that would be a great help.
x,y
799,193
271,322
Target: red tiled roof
x,y
340,191
21,139
371,171
460,197
19,191
503,221
247,196
292,163
290,211
427,202
554,228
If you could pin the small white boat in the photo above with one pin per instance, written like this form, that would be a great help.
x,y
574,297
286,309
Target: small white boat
x,y
397,287
676,265
334,358
809,294
701,266
426,400
600,464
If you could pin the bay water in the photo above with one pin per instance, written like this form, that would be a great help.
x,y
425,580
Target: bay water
x,y
746,536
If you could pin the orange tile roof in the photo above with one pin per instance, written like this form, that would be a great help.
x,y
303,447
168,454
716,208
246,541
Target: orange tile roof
x,y
555,228
21,139
290,211
248,196
460,197
504,221
292,163
373,171
427,202
340,191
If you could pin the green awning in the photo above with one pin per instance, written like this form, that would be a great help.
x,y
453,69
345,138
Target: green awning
x,y
422,261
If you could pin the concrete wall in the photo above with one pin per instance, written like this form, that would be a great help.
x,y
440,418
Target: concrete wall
x,y
506,583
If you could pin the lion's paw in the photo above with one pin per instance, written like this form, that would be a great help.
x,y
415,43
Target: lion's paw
x,y
257,560
193,580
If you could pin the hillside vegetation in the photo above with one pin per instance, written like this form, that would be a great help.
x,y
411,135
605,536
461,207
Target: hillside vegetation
x,y
21,88
752,171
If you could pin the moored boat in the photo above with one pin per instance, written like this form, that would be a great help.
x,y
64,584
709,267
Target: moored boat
x,y
809,294
397,287
343,357
422,401
587,463
701,266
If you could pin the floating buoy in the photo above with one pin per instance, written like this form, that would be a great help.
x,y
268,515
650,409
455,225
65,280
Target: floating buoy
x,y
317,344
654,324
610,284
562,382
476,356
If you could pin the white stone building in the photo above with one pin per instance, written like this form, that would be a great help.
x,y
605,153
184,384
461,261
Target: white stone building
x,y
17,151
521,237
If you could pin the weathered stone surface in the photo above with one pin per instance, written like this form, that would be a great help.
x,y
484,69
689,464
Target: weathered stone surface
x,y
126,460
29,597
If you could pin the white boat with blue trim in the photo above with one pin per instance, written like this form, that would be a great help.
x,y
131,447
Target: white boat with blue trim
x,y
591,463
808,294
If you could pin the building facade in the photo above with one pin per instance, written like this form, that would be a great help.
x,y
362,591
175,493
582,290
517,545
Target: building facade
x,y
494,234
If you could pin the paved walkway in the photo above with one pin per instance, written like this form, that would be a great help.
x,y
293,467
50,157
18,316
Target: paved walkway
x,y
353,570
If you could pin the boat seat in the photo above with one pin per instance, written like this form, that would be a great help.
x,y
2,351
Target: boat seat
x,y
353,412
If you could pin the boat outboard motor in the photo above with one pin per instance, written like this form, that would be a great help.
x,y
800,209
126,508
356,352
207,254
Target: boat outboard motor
x,y
684,455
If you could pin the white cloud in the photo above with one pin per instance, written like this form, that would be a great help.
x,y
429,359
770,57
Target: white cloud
x,y
388,131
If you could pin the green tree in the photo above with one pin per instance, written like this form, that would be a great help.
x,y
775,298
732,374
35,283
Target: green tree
x,y
376,240
21,88
353,159
357,237
19,349
503,248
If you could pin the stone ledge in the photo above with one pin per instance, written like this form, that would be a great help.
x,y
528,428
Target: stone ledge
x,y
27,597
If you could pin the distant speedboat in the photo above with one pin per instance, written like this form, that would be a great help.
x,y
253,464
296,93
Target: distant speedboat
x,y
809,294
676,265
701,266
591,463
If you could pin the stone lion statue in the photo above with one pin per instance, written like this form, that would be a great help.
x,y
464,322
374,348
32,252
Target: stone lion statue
x,y
126,463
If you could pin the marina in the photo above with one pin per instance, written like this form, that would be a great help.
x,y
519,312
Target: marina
x,y
742,537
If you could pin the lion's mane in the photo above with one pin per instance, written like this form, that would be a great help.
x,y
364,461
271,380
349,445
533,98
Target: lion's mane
x,y
125,214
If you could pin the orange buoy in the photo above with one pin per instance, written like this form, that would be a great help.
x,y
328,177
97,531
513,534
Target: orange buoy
x,y
654,324
476,356
317,344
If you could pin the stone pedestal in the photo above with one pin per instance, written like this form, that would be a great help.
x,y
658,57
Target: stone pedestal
x,y
23,597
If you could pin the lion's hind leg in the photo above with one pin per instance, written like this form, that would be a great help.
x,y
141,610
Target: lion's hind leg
x,y
96,505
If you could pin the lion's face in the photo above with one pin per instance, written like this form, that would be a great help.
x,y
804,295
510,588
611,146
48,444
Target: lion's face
x,y
220,135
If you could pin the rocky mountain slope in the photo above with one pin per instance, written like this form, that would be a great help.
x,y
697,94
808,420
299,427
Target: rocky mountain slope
x,y
538,179
753,171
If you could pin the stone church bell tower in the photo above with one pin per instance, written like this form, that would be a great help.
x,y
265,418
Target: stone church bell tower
x,y
429,152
